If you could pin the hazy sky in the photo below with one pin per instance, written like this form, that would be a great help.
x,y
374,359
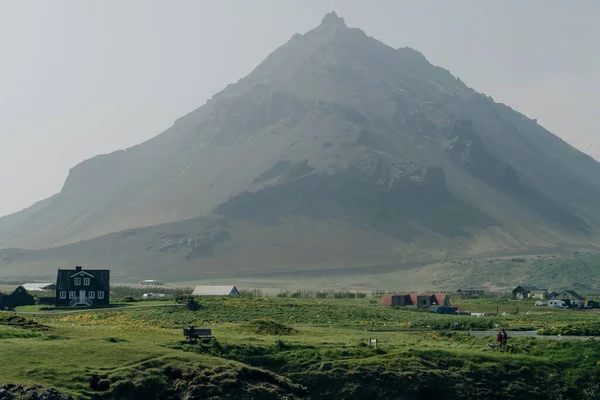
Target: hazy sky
x,y
83,77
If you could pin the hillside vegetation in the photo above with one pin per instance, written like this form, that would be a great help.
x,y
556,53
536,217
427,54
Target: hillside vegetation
x,y
302,349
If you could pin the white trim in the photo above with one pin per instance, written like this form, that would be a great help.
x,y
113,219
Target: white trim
x,y
82,273
63,294
71,294
77,281
86,281
100,295
92,295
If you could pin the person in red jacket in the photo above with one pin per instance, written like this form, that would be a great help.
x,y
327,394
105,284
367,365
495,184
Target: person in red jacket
x,y
500,339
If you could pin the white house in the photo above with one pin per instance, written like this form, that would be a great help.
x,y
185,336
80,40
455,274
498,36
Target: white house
x,y
215,291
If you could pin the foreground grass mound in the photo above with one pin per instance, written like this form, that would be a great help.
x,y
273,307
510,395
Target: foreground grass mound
x,y
16,392
452,366
14,320
142,354
172,379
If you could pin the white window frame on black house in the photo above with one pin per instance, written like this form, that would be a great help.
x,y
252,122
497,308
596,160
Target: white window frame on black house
x,y
86,281
100,295
77,281
91,294
63,294
71,294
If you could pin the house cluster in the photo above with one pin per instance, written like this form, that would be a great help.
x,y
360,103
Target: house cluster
x,y
439,302
88,287
569,297
73,287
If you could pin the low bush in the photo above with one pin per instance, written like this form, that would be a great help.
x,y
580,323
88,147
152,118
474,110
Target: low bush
x,y
269,327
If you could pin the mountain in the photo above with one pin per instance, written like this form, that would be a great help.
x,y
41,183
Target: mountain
x,y
336,150
593,151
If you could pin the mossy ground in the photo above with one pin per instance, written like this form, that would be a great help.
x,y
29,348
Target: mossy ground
x,y
141,352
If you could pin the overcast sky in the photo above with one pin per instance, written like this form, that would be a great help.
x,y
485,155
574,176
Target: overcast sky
x,y
83,77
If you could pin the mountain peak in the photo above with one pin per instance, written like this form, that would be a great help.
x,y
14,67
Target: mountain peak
x,y
333,19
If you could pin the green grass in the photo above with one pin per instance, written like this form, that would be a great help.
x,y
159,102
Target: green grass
x,y
116,304
299,348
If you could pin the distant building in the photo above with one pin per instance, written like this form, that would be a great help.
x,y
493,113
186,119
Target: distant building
x,y
470,292
79,287
150,295
415,300
541,294
526,292
40,287
588,304
19,297
151,282
215,291
572,298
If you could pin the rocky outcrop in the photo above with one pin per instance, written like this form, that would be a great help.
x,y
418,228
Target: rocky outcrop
x,y
199,243
467,150
27,392
376,190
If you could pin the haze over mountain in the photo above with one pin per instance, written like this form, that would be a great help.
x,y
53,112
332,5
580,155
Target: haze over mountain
x,y
336,150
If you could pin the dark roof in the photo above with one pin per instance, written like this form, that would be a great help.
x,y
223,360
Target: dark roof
x,y
63,276
412,298
528,288
574,294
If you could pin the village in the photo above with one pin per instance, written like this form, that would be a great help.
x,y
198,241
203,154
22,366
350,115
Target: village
x,y
83,288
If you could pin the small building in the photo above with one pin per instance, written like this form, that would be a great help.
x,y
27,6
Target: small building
x,y
79,287
40,287
20,297
541,294
415,300
526,292
470,292
445,310
215,291
588,304
153,282
552,295
151,295
572,298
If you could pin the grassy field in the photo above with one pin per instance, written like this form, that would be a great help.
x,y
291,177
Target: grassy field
x,y
113,305
300,349
578,271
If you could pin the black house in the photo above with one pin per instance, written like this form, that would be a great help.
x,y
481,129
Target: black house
x,y
79,287
2,297
20,297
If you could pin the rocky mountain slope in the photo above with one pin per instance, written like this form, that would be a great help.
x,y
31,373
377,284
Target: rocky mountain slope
x,y
336,149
